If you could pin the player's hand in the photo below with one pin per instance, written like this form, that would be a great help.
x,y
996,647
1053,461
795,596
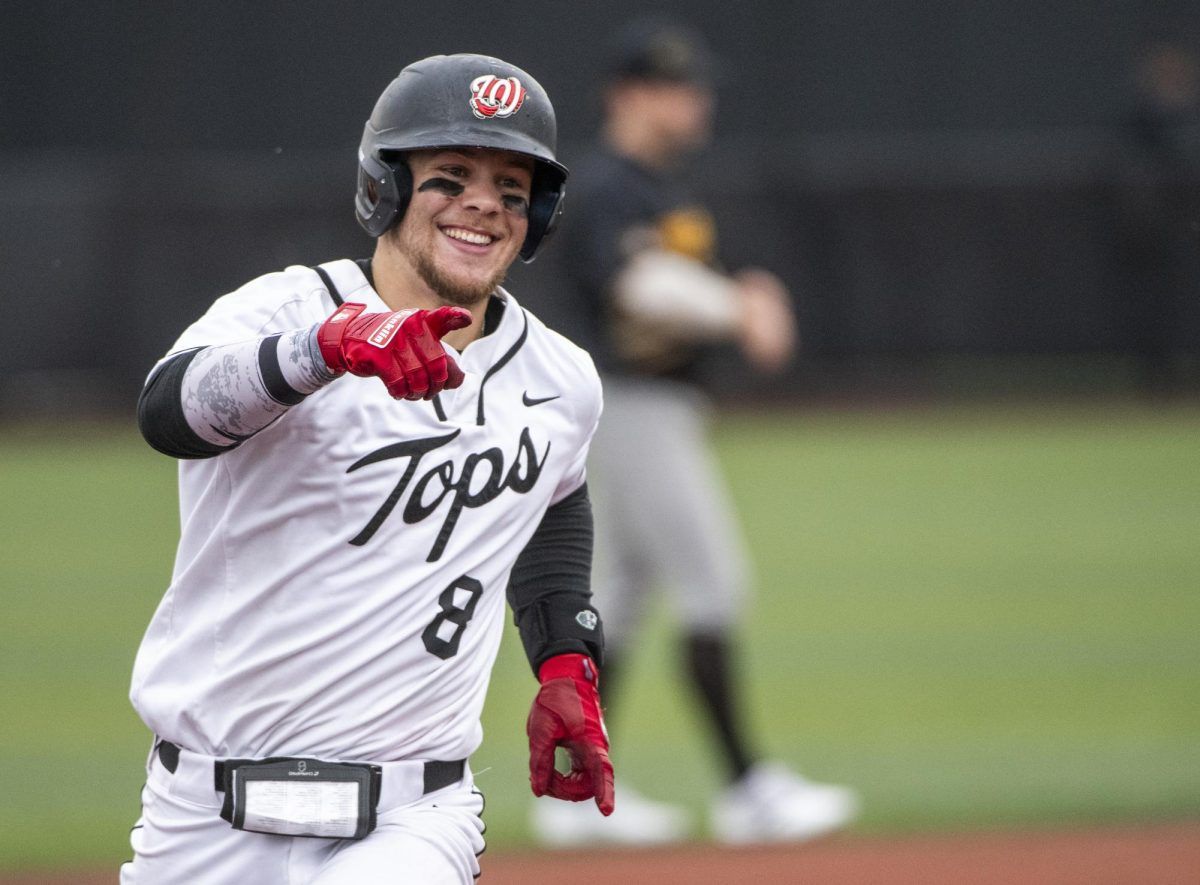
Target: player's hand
x,y
402,348
767,328
566,713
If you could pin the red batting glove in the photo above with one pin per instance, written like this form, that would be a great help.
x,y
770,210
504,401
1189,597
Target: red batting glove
x,y
566,712
403,348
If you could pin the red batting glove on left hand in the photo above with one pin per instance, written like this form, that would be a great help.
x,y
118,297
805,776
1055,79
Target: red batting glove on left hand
x,y
566,712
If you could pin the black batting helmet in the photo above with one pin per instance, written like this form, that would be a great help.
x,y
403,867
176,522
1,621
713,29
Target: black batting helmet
x,y
458,101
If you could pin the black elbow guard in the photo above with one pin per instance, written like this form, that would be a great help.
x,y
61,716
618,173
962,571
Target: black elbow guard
x,y
560,623
160,412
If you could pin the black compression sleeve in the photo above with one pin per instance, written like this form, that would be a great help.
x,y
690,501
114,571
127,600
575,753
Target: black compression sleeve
x,y
160,412
550,586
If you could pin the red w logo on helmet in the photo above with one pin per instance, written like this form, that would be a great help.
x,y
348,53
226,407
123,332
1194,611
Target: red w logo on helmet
x,y
493,96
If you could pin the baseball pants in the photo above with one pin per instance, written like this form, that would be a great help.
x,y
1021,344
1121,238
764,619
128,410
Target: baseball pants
x,y
424,839
664,517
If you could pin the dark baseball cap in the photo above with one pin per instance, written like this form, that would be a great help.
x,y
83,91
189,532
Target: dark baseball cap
x,y
660,49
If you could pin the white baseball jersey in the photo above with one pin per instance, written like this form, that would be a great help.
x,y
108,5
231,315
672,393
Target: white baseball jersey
x,y
339,589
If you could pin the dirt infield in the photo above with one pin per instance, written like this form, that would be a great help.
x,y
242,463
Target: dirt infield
x,y
1165,854
1129,856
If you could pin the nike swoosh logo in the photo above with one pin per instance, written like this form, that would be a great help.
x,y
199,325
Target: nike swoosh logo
x,y
525,398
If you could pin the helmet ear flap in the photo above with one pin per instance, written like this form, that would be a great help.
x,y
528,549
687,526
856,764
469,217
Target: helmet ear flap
x,y
544,211
545,207
384,189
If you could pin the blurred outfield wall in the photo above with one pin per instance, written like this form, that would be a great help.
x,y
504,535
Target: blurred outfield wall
x,y
935,180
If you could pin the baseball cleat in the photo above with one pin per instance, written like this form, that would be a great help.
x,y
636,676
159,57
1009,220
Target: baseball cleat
x,y
774,804
635,820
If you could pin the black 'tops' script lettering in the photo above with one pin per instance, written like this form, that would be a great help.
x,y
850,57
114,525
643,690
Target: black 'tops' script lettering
x,y
439,481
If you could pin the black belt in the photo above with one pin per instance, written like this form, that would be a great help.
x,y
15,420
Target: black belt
x,y
438,774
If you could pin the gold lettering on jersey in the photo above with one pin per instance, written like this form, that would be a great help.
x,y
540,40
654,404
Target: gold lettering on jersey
x,y
480,479
689,232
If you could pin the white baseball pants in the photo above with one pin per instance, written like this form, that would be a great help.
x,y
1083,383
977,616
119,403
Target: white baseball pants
x,y
423,839
664,516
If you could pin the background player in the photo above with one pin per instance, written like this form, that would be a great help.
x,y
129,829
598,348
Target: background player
x,y
640,253
338,593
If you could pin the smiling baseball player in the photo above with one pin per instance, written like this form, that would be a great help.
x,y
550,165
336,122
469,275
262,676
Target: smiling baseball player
x,y
315,673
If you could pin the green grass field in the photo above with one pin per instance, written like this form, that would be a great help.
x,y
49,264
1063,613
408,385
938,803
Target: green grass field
x,y
976,616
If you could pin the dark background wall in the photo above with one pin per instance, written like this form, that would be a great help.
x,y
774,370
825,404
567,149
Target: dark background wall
x,y
937,181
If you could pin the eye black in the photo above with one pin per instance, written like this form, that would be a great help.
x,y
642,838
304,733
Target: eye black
x,y
515,204
442,185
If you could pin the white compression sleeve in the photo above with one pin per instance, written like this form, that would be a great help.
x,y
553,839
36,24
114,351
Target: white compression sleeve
x,y
232,391
682,296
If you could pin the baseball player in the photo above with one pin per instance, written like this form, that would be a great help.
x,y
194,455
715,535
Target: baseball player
x,y
651,304
375,455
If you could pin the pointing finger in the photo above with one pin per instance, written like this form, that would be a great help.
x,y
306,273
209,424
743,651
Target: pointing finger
x,y
447,319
